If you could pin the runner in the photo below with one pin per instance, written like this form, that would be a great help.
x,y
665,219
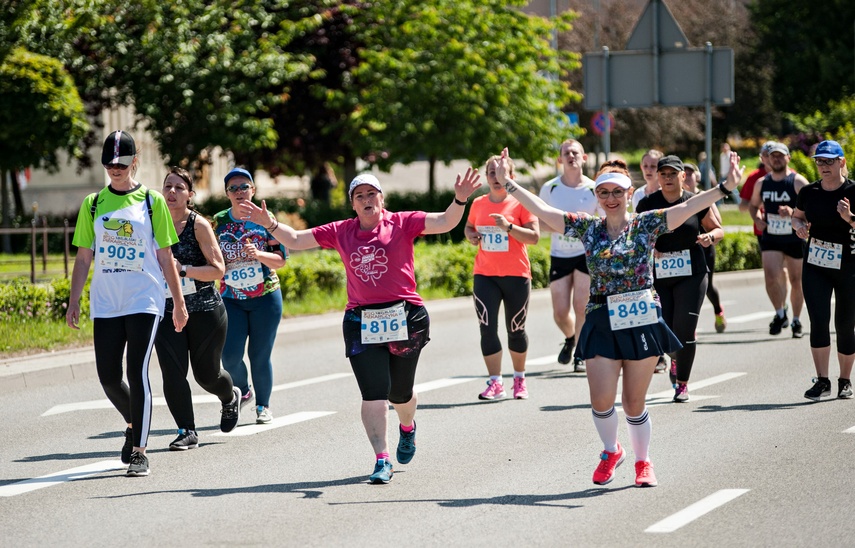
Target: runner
x,y
781,247
649,162
127,231
824,215
680,277
501,228
385,322
569,283
624,332
200,344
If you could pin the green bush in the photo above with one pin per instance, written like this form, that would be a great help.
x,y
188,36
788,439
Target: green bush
x,y
737,251
20,299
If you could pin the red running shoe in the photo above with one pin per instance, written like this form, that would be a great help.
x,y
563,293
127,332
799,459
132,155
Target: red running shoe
x,y
644,476
605,471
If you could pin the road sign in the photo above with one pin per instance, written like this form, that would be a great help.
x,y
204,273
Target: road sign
x,y
601,123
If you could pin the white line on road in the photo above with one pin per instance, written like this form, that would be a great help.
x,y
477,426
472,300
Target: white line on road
x,y
696,510
205,398
441,383
21,487
543,361
287,420
850,431
697,385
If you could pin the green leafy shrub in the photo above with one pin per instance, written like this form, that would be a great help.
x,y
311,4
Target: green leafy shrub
x,y
22,300
737,251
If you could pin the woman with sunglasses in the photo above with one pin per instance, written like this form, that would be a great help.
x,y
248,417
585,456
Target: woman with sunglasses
x,y
250,291
126,230
385,323
681,270
824,214
624,334
200,345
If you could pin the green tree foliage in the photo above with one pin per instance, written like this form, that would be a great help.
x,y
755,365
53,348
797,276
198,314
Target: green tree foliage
x,y
810,48
13,16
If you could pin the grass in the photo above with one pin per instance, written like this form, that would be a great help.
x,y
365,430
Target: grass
x,y
40,335
18,265
731,216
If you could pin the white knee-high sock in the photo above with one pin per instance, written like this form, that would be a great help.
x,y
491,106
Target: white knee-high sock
x,y
640,429
607,425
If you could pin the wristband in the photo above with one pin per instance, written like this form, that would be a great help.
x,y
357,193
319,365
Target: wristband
x,y
510,227
723,189
458,202
274,226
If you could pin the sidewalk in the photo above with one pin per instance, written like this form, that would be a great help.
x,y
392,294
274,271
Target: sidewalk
x,y
60,367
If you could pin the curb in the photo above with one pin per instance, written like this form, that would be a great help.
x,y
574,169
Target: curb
x,y
63,366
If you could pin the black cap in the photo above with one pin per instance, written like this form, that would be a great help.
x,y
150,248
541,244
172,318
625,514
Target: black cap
x,y
119,148
670,161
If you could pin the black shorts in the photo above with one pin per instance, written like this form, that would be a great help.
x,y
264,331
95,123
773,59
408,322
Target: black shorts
x,y
635,343
418,329
796,250
560,267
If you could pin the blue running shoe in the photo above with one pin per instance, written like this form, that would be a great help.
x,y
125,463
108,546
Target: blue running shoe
x,y
382,472
406,445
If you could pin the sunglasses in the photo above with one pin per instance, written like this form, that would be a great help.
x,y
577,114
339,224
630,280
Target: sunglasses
x,y
825,161
116,166
236,188
604,194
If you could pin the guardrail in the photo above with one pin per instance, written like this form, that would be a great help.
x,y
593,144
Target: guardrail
x,y
34,231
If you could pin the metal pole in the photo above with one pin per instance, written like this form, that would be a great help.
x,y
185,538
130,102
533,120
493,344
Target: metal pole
x,y
607,144
33,251
44,243
705,173
655,7
66,251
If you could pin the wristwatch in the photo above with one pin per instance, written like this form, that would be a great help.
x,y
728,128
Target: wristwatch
x,y
183,272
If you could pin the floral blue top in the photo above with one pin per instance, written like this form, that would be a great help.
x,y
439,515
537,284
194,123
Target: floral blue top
x,y
621,265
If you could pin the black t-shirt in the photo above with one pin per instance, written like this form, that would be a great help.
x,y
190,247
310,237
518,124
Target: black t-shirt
x,y
820,208
684,236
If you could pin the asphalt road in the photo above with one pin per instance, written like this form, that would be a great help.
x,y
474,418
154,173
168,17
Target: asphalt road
x,y
746,462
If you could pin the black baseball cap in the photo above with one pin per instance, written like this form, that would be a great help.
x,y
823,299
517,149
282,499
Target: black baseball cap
x,y
119,148
670,161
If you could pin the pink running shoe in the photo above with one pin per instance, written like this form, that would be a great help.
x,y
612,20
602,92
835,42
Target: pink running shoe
x,y
495,391
681,393
644,476
605,471
520,392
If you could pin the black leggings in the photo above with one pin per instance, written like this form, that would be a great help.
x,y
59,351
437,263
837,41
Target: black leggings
x,y
712,292
488,293
681,299
382,375
111,336
818,283
200,345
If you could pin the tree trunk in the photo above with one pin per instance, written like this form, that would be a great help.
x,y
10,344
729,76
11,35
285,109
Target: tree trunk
x,y
16,192
4,209
432,176
349,173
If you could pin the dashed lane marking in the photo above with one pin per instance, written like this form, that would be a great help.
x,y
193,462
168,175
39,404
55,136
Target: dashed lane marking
x,y
696,510
287,420
80,472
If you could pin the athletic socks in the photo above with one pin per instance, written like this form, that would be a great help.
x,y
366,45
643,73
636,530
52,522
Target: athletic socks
x,y
519,374
640,429
607,425
384,456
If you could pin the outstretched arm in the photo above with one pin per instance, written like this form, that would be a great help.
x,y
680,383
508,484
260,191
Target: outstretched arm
x,y
679,214
284,234
552,217
439,223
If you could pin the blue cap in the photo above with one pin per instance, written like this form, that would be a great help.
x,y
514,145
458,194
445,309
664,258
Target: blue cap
x,y
828,149
238,171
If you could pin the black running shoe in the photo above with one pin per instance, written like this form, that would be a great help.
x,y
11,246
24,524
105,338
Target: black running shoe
x,y
777,324
187,439
821,389
797,329
138,465
406,445
128,448
844,389
230,413
566,350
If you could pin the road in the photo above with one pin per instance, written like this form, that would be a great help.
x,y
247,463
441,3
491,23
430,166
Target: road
x,y
746,462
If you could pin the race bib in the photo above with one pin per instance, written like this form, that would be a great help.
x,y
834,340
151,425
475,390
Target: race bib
x,y
825,254
568,244
673,264
188,287
493,238
244,274
118,252
778,225
384,324
632,309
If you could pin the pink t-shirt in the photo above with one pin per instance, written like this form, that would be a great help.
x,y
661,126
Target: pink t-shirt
x,y
378,262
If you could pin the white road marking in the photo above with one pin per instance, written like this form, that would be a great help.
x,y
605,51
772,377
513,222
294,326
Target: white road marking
x,y
441,383
21,487
204,398
697,385
696,510
753,317
287,420
850,431
543,361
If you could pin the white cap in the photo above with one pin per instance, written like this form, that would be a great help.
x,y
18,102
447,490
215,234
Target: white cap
x,y
618,179
364,179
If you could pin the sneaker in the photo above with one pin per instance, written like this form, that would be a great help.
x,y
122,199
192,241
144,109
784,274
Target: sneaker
x,y
844,389
644,476
605,471
263,415
672,373
138,465
246,398
681,393
382,472
797,329
128,447
495,391
821,389
187,439
720,322
406,445
566,350
579,365
520,391
661,366
778,323
230,413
